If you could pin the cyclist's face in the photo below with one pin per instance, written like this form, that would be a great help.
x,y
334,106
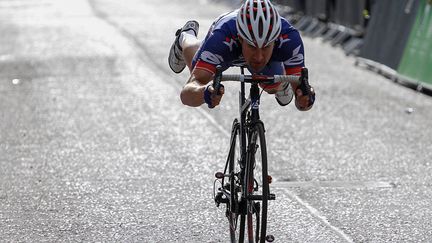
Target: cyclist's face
x,y
256,57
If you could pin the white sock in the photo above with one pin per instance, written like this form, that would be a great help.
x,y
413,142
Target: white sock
x,y
186,34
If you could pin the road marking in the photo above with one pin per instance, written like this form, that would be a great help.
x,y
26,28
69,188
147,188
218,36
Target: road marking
x,y
334,184
330,184
316,214
213,121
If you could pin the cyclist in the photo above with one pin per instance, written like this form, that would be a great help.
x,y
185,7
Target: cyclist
x,y
256,36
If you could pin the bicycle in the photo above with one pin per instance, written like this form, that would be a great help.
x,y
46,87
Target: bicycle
x,y
245,180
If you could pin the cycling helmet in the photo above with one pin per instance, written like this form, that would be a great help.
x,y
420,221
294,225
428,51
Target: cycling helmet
x,y
258,22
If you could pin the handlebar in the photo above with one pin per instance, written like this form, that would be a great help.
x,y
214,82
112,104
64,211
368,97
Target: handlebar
x,y
261,79
294,79
301,82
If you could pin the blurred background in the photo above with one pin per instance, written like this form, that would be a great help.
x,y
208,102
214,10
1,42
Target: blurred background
x,y
390,37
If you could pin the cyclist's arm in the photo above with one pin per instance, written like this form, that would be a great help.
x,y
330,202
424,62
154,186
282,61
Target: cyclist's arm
x,y
192,93
303,102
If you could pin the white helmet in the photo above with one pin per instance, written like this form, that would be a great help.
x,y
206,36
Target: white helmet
x,y
258,22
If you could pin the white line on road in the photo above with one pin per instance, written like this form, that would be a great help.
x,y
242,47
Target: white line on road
x,y
315,213
331,184
334,184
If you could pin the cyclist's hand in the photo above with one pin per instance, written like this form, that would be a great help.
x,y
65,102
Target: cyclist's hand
x,y
304,102
211,97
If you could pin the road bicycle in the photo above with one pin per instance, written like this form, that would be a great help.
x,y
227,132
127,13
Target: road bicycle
x,y
244,182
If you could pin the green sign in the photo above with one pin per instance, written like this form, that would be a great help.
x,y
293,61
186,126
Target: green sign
x,y
416,62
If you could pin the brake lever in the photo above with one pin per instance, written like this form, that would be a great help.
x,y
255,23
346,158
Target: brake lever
x,y
304,81
305,86
217,79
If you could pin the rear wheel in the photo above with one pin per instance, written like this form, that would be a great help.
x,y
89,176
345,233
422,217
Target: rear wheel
x,y
257,185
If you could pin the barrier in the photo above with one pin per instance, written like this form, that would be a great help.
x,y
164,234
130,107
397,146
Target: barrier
x,y
317,8
388,31
416,63
341,22
348,15
317,17
297,6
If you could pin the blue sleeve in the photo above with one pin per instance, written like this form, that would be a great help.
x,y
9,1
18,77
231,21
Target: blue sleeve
x,y
217,49
291,49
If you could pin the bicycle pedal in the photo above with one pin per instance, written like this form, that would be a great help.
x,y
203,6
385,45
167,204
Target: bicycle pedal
x,y
269,238
272,196
220,199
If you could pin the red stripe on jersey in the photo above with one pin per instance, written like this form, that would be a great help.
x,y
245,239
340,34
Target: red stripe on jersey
x,y
293,70
205,66
269,86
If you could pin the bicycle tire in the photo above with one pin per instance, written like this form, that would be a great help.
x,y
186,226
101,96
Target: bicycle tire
x,y
257,185
237,228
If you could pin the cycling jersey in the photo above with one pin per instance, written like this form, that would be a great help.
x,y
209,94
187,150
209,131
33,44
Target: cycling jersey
x,y
222,47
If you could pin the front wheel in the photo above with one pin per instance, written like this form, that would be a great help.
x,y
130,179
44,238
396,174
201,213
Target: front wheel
x,y
257,185
235,218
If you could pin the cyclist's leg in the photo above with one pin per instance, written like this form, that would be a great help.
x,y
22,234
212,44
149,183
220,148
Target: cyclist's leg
x,y
184,47
190,44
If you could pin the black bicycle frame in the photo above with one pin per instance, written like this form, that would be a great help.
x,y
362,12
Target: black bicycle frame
x,y
244,104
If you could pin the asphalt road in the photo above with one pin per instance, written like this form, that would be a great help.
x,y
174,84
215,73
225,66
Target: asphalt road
x,y
95,145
